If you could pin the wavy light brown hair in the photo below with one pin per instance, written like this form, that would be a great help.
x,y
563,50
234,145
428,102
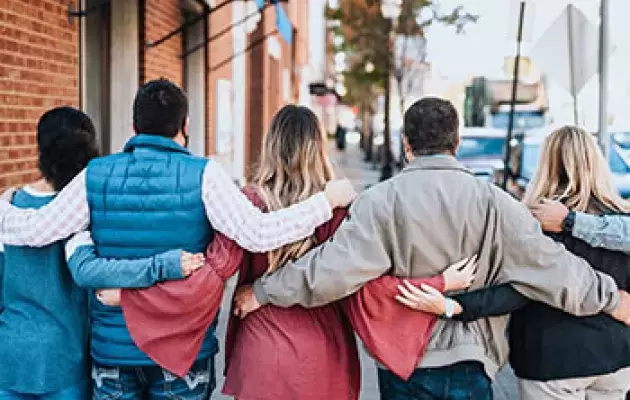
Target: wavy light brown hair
x,y
572,170
294,166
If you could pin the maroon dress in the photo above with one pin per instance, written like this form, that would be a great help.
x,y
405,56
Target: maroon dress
x,y
290,353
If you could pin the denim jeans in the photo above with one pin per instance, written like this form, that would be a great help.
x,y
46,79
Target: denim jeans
x,y
462,381
76,392
153,382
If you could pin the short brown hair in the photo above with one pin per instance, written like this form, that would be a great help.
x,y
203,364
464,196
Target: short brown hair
x,y
432,126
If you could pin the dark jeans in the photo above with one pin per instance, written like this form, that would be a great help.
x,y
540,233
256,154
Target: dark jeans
x,y
153,383
461,381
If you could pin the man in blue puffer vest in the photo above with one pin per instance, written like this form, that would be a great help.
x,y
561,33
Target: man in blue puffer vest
x,y
151,198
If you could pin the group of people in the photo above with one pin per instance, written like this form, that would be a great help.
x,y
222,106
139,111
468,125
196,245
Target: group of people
x,y
113,268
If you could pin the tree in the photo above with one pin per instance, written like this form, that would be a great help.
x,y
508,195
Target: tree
x,y
365,33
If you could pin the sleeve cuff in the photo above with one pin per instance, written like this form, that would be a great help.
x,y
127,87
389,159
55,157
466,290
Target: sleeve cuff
x,y
260,294
581,224
322,207
614,303
171,265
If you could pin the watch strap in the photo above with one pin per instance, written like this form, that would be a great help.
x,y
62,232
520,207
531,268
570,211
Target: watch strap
x,y
569,221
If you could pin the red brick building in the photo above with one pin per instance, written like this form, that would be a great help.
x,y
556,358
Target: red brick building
x,y
94,54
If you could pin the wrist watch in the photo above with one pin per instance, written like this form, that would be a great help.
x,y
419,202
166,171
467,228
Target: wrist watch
x,y
569,221
449,308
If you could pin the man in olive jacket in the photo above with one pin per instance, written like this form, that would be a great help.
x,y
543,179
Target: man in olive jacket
x,y
434,213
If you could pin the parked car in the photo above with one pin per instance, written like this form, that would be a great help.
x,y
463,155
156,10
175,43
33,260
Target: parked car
x,y
482,150
527,154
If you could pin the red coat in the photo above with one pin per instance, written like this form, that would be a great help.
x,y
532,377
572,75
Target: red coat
x,y
273,345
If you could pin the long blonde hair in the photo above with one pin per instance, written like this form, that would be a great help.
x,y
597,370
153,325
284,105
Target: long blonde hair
x,y
293,166
573,171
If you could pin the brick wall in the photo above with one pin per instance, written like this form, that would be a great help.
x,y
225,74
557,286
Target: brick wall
x,y
38,70
162,17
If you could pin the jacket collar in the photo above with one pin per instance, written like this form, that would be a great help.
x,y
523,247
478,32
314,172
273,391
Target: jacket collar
x,y
436,162
142,140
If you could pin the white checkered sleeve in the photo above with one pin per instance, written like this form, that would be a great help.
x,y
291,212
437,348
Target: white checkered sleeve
x,y
232,214
67,214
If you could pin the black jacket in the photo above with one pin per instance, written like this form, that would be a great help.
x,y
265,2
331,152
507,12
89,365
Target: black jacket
x,y
546,343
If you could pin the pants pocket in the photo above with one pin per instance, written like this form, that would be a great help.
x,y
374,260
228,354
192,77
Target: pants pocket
x,y
107,384
198,384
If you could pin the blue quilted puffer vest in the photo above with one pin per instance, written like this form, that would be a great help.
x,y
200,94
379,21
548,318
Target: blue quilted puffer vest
x,y
143,201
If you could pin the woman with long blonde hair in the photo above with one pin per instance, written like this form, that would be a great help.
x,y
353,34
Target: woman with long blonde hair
x,y
572,170
556,355
293,166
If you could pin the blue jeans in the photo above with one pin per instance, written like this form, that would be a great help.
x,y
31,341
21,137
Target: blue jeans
x,y
76,392
462,381
153,382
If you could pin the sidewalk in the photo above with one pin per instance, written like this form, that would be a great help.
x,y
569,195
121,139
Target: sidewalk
x,y
350,164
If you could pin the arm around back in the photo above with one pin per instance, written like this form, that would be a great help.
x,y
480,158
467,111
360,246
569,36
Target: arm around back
x,y
358,252
66,214
91,271
231,213
543,270
489,302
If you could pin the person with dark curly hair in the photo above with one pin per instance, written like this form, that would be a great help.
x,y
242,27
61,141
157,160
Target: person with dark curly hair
x,y
43,317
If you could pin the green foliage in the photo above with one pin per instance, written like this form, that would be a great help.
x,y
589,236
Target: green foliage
x,y
366,37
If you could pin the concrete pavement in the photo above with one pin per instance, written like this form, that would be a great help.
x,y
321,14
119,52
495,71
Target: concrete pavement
x,y
350,164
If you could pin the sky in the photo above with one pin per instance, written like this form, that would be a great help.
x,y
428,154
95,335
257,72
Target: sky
x,y
482,49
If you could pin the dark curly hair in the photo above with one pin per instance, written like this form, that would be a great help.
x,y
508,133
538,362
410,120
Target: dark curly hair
x,y
432,127
67,142
160,108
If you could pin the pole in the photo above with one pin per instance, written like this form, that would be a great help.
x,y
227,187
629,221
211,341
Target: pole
x,y
570,36
387,169
604,47
508,139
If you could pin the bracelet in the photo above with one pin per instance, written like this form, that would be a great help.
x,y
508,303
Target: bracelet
x,y
449,308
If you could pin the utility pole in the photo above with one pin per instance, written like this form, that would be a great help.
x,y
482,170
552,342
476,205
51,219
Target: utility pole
x,y
387,169
604,47
507,169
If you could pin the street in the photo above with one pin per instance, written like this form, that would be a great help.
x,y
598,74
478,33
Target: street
x,y
350,165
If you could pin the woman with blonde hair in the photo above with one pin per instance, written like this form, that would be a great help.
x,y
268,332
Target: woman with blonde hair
x,y
277,353
556,355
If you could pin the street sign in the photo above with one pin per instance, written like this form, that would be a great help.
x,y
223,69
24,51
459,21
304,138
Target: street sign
x,y
568,51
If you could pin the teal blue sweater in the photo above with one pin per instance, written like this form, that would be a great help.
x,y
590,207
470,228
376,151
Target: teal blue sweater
x,y
44,321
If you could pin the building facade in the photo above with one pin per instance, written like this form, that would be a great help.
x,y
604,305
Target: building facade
x,y
239,61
